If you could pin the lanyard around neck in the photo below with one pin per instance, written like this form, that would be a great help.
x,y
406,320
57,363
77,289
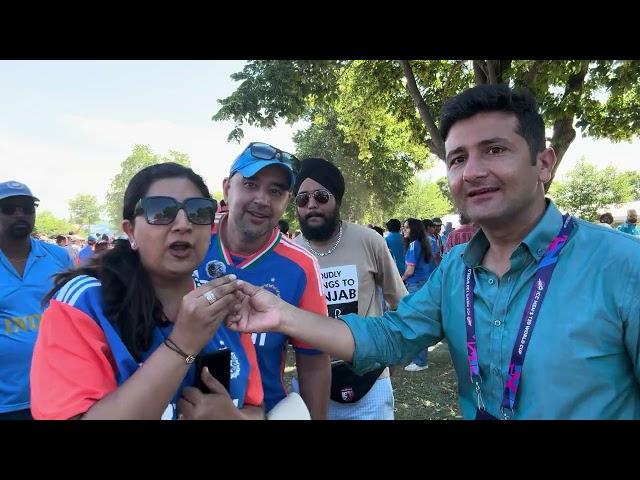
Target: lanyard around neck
x,y
534,303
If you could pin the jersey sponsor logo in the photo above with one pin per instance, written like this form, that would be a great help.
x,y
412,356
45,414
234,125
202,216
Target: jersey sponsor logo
x,y
215,269
271,287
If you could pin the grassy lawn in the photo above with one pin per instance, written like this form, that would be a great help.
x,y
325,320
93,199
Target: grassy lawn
x,y
431,394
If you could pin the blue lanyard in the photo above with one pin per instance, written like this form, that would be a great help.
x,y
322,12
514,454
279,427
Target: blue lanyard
x,y
529,317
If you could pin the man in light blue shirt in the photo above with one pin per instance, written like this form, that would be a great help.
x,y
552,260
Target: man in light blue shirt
x,y
564,347
396,244
26,269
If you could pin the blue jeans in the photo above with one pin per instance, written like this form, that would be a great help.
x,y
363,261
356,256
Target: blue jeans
x,y
423,357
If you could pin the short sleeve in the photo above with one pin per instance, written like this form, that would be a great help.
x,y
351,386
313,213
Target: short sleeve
x,y
72,366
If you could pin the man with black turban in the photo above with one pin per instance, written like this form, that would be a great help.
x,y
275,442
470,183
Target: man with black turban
x,y
358,276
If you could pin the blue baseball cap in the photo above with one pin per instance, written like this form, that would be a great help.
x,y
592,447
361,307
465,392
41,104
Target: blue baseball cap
x,y
260,155
15,189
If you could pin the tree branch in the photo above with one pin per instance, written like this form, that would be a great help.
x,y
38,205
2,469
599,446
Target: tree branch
x,y
531,76
452,72
503,67
563,131
423,109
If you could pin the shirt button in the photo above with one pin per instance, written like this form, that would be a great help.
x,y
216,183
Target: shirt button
x,y
491,281
540,251
497,323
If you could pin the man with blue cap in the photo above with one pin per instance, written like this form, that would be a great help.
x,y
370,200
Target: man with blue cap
x,y
26,269
246,241
87,252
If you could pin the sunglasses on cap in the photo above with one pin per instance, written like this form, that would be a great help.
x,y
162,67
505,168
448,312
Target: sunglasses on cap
x,y
10,208
321,196
264,151
163,210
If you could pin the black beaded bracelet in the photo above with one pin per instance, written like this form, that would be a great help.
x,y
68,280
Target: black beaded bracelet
x,y
188,358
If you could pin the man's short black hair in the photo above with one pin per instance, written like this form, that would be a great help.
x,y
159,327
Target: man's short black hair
x,y
378,229
283,225
606,218
393,225
497,98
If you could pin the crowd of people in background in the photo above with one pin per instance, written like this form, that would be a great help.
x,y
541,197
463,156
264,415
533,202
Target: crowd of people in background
x,y
79,249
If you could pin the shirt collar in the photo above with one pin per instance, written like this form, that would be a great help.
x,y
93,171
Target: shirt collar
x,y
36,248
226,254
536,241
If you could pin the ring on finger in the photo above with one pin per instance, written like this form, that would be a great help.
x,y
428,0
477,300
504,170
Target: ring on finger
x,y
210,296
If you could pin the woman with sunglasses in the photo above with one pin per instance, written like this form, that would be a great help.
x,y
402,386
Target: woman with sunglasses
x,y
120,335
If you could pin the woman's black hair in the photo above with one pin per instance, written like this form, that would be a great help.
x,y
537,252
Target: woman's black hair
x,y
129,299
418,232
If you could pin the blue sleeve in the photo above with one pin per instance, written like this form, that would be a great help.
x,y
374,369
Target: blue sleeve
x,y
413,253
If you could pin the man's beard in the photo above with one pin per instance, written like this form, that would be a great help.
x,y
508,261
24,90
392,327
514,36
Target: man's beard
x,y
19,230
321,232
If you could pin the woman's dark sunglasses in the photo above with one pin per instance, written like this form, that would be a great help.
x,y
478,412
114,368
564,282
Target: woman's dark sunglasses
x,y
321,196
163,210
264,151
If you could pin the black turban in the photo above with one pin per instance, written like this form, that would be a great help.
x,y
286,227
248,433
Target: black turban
x,y
323,172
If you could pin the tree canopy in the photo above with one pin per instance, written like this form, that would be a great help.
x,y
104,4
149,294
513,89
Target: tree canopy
x,y
588,188
84,209
397,102
140,157
48,224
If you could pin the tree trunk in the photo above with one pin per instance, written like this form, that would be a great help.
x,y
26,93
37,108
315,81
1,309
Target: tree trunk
x,y
493,67
480,72
504,66
563,135
437,144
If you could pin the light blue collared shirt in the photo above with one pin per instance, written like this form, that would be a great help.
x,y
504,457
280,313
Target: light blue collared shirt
x,y
583,361
20,312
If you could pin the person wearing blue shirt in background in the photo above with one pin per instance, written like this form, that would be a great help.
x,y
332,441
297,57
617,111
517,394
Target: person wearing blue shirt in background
x,y
87,252
541,311
630,227
420,264
448,228
395,243
26,269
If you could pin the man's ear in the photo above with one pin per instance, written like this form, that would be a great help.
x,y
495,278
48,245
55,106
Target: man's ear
x,y
225,189
546,161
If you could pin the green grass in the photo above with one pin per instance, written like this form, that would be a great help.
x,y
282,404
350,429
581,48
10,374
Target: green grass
x,y
431,394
